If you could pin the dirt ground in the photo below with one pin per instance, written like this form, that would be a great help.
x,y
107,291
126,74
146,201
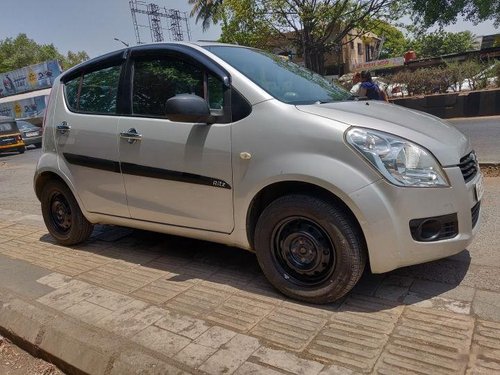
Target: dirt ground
x,y
14,361
492,170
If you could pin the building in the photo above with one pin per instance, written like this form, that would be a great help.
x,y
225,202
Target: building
x,y
24,92
355,49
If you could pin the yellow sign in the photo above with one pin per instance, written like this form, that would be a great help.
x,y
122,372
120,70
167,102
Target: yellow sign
x,y
32,78
18,110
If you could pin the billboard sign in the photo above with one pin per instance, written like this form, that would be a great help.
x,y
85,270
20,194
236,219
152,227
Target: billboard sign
x,y
24,108
33,77
379,64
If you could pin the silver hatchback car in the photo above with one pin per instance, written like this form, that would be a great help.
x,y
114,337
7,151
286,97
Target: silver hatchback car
x,y
237,146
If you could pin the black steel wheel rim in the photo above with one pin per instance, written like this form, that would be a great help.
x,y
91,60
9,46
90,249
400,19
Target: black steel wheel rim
x,y
60,212
303,252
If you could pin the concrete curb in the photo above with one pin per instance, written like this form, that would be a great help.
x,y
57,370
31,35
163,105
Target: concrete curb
x,y
74,347
489,165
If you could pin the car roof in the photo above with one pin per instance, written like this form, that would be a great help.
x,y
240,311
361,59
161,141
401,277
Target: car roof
x,y
122,54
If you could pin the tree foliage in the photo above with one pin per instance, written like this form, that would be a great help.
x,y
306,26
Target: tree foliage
x,y
207,11
313,27
444,12
442,43
244,23
22,51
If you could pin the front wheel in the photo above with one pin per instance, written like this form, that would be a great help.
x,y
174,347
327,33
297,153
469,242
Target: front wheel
x,y
309,249
62,215
21,150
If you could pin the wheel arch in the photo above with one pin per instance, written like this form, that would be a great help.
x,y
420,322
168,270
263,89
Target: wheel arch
x,y
44,177
278,189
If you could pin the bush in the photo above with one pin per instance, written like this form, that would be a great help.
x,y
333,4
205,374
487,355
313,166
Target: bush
x,y
496,73
421,81
469,75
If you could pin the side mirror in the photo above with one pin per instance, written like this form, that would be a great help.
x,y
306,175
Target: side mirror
x,y
188,108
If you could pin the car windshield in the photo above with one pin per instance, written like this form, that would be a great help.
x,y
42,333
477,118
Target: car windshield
x,y
23,125
6,127
283,79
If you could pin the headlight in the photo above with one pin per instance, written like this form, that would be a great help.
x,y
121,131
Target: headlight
x,y
400,161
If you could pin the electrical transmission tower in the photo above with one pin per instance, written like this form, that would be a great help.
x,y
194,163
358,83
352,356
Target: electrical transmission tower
x,y
154,13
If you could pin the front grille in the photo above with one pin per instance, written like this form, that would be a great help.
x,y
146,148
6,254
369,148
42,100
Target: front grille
x,y
469,167
475,213
449,230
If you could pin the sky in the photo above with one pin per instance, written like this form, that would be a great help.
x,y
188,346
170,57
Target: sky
x,y
92,25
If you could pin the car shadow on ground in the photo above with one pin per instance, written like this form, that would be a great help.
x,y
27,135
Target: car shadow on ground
x,y
187,259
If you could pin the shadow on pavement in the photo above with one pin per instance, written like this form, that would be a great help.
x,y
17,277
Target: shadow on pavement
x,y
187,259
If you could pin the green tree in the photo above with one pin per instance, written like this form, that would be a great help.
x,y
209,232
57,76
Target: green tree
x,y
313,27
444,12
22,51
243,23
74,58
442,43
207,11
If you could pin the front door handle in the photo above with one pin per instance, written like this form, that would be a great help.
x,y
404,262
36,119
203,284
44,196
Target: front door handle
x,y
63,127
131,135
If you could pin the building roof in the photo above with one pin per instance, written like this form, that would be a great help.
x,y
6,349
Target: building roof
x,y
25,95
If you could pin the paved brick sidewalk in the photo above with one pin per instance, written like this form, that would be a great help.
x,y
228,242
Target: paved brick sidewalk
x,y
204,308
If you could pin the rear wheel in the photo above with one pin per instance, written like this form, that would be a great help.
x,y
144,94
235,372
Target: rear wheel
x,y
309,249
62,215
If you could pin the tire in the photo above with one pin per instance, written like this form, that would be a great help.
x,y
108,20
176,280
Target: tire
x,y
21,150
309,249
62,215
38,145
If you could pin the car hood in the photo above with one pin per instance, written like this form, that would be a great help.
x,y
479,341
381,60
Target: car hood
x,y
442,139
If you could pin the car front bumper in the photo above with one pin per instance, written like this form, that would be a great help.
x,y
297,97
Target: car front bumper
x,y
385,212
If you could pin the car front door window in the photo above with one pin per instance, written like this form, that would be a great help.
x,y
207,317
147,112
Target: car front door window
x,y
157,80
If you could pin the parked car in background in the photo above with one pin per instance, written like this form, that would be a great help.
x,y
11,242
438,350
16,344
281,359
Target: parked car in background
x,y
32,134
238,146
10,137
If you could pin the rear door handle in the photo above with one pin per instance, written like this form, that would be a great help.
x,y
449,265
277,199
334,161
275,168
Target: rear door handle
x,y
63,127
131,135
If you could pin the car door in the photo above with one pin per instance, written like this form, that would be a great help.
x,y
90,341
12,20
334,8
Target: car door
x,y
176,173
86,132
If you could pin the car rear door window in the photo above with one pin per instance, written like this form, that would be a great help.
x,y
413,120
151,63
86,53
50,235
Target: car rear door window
x,y
98,91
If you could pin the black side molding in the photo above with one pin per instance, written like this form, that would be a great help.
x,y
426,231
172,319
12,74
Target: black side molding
x,y
144,171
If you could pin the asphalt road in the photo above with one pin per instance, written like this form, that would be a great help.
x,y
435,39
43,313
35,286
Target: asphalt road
x,y
16,181
484,133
